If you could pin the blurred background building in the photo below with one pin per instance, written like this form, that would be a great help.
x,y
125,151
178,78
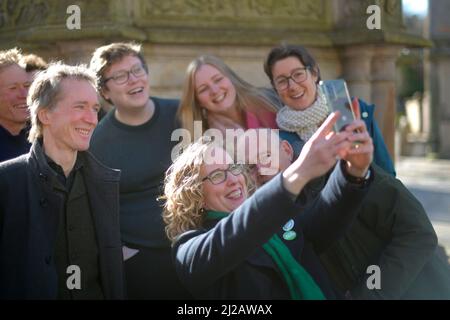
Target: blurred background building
x,y
242,32
423,110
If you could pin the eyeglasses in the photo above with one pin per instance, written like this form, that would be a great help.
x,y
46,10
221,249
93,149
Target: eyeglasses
x,y
219,176
298,76
122,77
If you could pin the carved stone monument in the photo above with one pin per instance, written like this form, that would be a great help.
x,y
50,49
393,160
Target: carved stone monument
x,y
240,31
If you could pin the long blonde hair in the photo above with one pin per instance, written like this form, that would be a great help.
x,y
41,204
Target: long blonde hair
x,y
248,97
183,194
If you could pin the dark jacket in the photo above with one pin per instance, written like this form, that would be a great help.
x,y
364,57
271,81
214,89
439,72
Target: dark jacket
x,y
29,213
13,146
393,232
380,153
225,259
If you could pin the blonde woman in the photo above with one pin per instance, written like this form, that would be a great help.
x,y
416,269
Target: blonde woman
x,y
215,95
226,244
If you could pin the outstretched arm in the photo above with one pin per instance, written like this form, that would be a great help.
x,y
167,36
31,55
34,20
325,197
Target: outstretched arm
x,y
203,256
323,227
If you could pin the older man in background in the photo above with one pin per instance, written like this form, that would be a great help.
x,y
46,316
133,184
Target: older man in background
x,y
14,114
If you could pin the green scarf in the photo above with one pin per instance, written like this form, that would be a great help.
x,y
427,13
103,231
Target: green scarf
x,y
301,285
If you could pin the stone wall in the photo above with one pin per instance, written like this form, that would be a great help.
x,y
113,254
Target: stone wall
x,y
174,32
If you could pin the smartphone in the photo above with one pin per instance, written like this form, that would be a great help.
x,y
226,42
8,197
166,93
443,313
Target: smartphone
x,y
338,99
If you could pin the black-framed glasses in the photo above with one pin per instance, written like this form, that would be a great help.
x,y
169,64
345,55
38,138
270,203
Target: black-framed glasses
x,y
298,76
218,176
122,77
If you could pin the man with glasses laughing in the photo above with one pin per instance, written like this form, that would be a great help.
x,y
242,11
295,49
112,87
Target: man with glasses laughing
x,y
135,137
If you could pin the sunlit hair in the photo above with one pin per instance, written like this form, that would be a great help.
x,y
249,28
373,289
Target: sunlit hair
x,y
45,91
248,97
183,189
10,57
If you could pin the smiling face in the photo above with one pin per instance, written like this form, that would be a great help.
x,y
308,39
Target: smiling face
x,y
270,164
69,125
132,94
298,96
14,85
214,91
225,196
267,152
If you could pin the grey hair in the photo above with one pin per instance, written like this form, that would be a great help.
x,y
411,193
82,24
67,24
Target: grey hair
x,y
11,57
45,91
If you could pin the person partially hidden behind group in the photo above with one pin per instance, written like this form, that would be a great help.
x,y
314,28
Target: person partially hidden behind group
x,y
230,245
14,113
33,64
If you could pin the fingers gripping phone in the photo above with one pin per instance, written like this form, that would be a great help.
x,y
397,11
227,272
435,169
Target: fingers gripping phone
x,y
338,99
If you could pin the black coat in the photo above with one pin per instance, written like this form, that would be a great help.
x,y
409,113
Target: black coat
x,y
225,259
393,232
29,213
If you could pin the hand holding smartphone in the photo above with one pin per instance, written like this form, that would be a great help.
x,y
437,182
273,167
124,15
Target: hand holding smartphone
x,y
338,99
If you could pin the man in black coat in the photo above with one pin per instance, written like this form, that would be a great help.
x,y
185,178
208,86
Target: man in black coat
x,y
59,218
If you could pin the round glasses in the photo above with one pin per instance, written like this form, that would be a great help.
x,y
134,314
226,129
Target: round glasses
x,y
298,76
218,176
122,77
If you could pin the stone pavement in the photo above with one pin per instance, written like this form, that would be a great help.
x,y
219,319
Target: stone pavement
x,y
429,181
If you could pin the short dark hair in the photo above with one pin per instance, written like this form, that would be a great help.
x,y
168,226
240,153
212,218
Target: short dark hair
x,y
105,56
284,51
34,63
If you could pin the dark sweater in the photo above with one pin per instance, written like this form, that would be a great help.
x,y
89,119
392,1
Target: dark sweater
x,y
143,154
76,242
13,146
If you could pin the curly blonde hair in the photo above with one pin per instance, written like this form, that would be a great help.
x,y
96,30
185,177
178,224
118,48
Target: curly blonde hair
x,y
183,189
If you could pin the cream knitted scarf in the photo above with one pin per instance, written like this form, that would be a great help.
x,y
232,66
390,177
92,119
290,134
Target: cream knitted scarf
x,y
304,122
